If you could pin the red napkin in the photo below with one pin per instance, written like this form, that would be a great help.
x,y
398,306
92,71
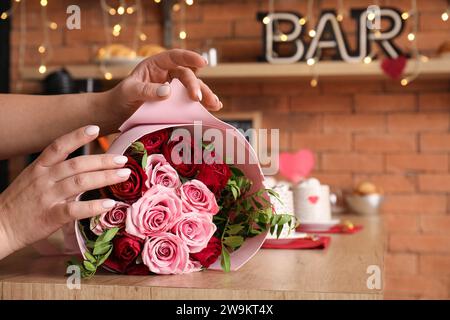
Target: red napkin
x,y
315,242
340,228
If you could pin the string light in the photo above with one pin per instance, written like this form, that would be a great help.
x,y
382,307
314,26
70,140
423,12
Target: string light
x,y
283,37
424,58
444,16
120,10
116,30
42,69
112,11
313,83
157,1
302,21
108,75
44,3
130,10
405,15
53,25
411,36
143,36
41,49
266,20
182,35
367,60
312,33
340,17
404,82
4,16
176,7
189,2
310,61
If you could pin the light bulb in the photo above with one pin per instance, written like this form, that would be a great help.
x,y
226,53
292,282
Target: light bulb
x,y
42,69
404,82
266,20
405,15
312,33
310,61
41,49
283,37
157,1
108,75
371,16
367,60
313,83
302,21
411,36
121,10
183,35
189,2
143,36
53,25
444,16
339,17
4,16
130,10
44,3
176,7
112,11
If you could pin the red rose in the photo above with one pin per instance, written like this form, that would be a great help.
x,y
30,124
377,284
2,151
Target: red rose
x,y
154,141
125,250
215,176
209,254
185,165
132,189
137,270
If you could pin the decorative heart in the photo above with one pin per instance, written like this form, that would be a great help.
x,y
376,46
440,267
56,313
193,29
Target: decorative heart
x,y
313,199
295,166
394,67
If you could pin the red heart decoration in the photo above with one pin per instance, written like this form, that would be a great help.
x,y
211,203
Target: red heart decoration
x,y
394,67
296,166
313,199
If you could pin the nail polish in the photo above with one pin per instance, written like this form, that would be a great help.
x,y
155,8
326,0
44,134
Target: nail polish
x,y
123,173
199,95
163,90
120,159
92,130
108,204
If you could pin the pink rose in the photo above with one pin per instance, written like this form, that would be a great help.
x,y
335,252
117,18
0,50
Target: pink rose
x,y
193,266
159,171
155,212
165,253
113,218
195,229
197,197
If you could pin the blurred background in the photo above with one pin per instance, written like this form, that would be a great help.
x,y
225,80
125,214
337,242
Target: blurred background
x,y
362,122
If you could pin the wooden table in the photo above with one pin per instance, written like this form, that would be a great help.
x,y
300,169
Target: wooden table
x,y
339,272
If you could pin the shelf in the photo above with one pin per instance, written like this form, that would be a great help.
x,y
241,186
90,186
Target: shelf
x,y
434,68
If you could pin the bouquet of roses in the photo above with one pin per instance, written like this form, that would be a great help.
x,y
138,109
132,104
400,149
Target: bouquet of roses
x,y
175,214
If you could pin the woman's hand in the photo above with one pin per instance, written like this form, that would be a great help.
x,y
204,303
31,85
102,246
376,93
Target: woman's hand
x,y
40,200
148,81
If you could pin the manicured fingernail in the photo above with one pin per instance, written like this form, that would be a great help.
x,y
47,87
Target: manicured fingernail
x,y
92,130
221,105
217,98
199,95
206,60
123,173
120,159
163,90
108,204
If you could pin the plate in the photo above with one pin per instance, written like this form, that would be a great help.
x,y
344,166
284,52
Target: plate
x,y
318,226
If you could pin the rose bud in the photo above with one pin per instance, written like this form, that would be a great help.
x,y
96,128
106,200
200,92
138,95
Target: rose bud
x,y
126,248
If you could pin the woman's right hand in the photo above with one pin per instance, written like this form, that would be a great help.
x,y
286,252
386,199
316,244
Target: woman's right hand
x,y
41,199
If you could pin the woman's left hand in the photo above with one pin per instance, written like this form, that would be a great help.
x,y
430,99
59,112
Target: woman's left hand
x,y
148,81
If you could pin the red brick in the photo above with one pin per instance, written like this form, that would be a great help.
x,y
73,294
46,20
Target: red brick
x,y
416,163
434,264
335,180
401,264
248,28
204,30
352,162
417,286
238,50
436,142
328,103
434,182
384,102
265,104
230,11
321,142
385,142
286,87
414,204
329,86
296,121
400,223
417,86
423,243
235,89
354,123
435,224
434,101
390,183
418,122
431,21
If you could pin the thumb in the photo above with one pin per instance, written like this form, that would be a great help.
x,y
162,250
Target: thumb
x,y
151,91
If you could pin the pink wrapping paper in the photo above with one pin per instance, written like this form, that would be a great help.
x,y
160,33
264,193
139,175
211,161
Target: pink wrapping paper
x,y
180,110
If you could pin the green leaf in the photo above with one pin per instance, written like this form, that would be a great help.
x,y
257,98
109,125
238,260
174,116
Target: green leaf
x,y
144,159
236,172
234,229
225,259
89,266
102,248
103,258
90,257
234,192
107,236
233,241
279,230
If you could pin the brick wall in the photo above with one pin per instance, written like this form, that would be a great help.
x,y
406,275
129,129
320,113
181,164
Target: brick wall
x,y
398,137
